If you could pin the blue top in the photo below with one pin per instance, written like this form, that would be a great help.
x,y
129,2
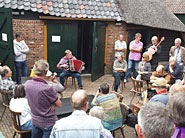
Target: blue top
x,y
177,72
162,98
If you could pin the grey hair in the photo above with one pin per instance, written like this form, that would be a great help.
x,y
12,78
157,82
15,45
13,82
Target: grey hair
x,y
178,40
176,88
4,70
155,120
154,38
40,67
177,106
97,111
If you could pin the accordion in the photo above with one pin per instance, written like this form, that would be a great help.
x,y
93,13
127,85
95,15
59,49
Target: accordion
x,y
76,65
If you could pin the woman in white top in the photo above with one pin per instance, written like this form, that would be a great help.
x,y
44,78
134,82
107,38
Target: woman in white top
x,y
19,103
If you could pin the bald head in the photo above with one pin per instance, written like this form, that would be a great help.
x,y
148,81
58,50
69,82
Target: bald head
x,y
160,70
79,100
175,88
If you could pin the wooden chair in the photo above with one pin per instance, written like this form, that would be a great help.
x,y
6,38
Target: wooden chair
x,y
120,96
73,81
124,111
16,124
122,83
6,97
137,87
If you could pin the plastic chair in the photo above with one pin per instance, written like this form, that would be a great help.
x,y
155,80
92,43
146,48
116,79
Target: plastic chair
x,y
16,124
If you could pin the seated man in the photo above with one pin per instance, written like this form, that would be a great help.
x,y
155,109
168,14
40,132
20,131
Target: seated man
x,y
111,106
160,85
119,69
154,121
64,64
174,70
6,81
78,124
160,73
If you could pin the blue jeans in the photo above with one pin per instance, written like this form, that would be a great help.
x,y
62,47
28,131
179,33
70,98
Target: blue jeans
x,y
38,132
73,74
118,76
27,126
132,63
21,70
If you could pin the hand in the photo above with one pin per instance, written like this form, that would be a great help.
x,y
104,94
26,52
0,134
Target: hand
x,y
24,48
153,47
53,107
124,70
83,68
64,66
145,94
19,50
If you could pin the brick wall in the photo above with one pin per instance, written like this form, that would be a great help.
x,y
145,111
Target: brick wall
x,y
33,32
112,35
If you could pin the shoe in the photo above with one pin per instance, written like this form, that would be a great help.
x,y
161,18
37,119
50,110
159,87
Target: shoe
x,y
81,87
125,81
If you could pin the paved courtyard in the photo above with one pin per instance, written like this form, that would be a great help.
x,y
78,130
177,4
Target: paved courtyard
x,y
91,88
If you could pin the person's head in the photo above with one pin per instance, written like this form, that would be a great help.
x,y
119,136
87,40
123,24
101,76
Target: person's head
x,y
121,37
120,57
79,100
177,42
19,36
172,61
49,75
19,92
145,57
68,54
160,84
138,37
160,70
41,67
154,121
175,88
154,40
97,111
104,88
177,106
6,72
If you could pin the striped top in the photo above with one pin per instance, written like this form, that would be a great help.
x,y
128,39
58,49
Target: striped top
x,y
113,116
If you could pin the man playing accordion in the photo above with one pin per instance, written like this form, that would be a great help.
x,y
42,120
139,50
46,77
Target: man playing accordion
x,y
64,64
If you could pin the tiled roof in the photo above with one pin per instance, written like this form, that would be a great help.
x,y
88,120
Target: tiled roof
x,y
175,6
94,9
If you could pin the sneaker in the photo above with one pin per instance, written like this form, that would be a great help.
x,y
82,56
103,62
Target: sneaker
x,y
125,81
81,87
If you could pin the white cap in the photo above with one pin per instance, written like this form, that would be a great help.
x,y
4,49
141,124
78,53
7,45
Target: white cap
x,y
49,73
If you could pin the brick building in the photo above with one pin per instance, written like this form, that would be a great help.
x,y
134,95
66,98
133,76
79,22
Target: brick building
x,y
89,28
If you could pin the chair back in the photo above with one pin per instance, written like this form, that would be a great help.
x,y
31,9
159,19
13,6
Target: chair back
x,y
124,110
120,96
16,120
137,86
6,96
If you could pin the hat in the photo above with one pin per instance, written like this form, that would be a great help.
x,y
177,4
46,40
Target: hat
x,y
160,82
49,73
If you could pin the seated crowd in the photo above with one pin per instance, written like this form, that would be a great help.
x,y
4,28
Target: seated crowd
x,y
162,113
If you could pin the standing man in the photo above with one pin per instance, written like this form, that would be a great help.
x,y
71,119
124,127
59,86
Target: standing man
x,y
42,100
178,52
64,64
119,69
120,46
20,49
135,47
155,58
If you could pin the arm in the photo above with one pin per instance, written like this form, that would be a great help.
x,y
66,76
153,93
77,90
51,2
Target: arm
x,y
16,50
94,101
57,86
58,103
61,64
135,50
171,52
26,48
176,71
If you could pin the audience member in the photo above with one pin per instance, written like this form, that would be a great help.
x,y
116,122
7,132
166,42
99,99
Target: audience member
x,y
19,103
174,70
160,73
42,100
175,88
78,124
155,57
177,106
98,112
120,47
135,47
6,83
144,68
160,85
119,69
20,50
154,121
52,81
64,64
178,52
111,106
